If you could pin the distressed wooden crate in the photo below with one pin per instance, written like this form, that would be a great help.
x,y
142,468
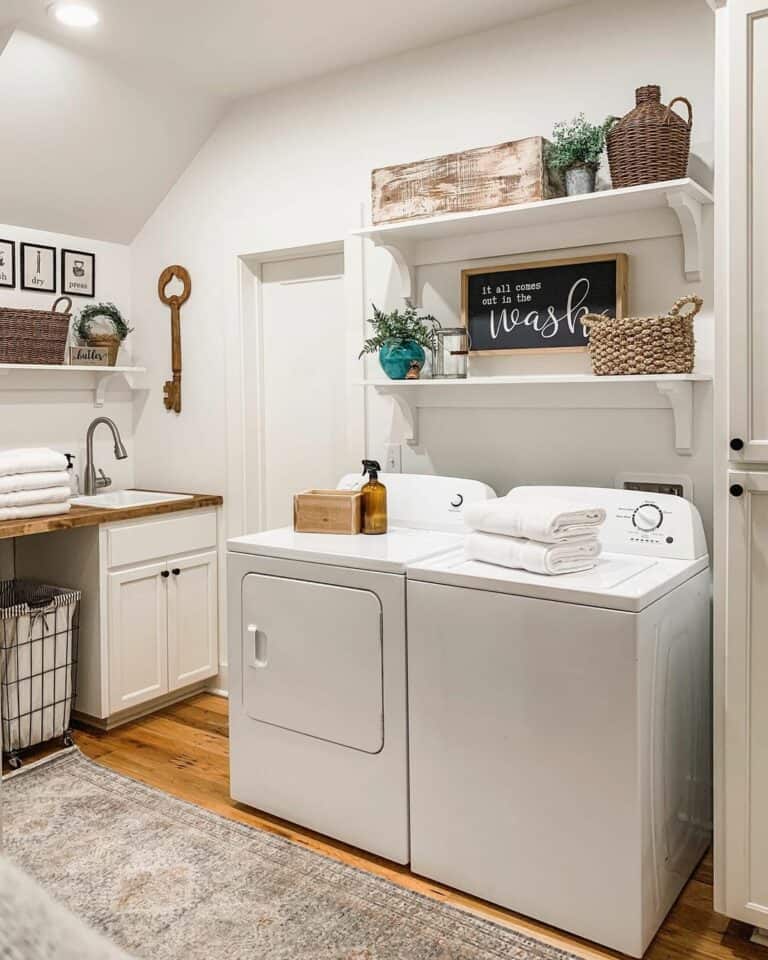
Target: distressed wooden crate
x,y
328,511
480,179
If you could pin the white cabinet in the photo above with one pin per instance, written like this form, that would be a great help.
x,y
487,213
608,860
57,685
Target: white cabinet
x,y
137,635
741,464
149,618
745,810
193,648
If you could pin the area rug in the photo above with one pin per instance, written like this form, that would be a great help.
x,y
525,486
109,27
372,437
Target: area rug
x,y
165,879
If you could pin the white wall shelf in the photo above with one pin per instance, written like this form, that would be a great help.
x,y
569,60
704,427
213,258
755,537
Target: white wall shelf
x,y
685,198
43,376
504,391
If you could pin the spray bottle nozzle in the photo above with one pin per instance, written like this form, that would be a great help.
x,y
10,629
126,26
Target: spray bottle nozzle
x,y
371,467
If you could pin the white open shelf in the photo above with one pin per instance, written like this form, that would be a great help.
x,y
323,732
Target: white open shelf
x,y
685,198
49,376
411,395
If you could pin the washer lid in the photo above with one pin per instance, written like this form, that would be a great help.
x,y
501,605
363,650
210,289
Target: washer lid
x,y
388,552
618,581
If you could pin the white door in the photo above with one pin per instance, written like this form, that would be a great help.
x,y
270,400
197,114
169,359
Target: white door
x,y
747,198
192,620
746,740
303,374
138,645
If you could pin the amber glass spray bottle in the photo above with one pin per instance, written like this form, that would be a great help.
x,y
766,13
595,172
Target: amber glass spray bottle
x,y
374,499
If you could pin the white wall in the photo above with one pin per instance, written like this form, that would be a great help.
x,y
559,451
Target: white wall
x,y
293,167
33,414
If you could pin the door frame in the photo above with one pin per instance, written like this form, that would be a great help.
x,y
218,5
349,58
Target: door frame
x,y
245,376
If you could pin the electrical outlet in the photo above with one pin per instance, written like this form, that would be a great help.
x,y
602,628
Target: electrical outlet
x,y
393,458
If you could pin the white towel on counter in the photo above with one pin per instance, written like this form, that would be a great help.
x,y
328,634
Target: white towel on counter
x,y
523,513
28,498
37,510
532,555
31,460
16,482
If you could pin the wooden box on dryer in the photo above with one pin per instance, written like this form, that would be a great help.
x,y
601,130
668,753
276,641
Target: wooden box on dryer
x,y
328,511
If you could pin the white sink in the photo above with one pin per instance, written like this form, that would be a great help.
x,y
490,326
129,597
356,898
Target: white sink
x,y
119,499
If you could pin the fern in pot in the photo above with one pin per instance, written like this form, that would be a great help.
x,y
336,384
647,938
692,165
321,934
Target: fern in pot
x,y
399,339
576,150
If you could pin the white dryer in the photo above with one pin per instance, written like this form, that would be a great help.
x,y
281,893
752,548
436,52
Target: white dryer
x,y
560,726
317,660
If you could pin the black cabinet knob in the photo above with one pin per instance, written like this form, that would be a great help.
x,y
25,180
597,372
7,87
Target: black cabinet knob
x,y
736,489
176,571
737,443
164,573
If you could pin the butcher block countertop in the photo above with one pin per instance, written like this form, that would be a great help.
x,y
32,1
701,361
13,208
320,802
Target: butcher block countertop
x,y
93,516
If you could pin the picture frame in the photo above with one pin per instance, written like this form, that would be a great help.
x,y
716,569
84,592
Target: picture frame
x,y
538,303
7,263
78,273
38,267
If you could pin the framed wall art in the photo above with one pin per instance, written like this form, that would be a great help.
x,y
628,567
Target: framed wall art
x,y
538,306
7,263
78,273
38,268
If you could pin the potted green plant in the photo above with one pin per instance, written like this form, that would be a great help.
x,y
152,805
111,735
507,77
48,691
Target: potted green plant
x,y
399,339
576,149
102,325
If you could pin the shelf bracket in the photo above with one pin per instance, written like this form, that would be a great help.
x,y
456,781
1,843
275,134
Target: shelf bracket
x,y
402,255
100,389
679,396
405,417
688,212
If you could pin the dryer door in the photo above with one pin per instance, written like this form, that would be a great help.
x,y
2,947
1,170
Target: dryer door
x,y
313,659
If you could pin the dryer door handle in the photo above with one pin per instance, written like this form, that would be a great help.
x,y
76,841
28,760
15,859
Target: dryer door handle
x,y
256,647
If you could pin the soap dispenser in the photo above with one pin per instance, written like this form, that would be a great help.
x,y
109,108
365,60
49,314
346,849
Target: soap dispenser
x,y
374,499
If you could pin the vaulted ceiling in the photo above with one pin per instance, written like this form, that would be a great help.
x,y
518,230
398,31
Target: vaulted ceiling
x,y
97,125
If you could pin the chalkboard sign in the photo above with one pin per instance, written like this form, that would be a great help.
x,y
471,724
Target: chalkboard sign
x,y
538,306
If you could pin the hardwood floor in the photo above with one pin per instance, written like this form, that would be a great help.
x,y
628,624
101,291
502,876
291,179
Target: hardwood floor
x,y
183,750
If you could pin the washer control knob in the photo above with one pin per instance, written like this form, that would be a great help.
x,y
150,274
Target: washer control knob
x,y
457,500
647,517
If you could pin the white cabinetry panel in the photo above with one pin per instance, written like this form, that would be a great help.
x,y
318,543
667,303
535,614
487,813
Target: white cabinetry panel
x,y
192,620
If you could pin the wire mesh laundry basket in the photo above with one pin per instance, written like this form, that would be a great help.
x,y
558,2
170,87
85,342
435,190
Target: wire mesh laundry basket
x,y
39,631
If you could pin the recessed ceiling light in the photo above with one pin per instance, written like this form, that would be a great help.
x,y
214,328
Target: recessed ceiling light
x,y
74,14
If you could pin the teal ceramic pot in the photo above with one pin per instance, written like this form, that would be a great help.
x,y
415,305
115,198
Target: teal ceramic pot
x,y
396,358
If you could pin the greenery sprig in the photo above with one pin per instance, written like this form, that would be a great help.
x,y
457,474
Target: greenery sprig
x,y
578,143
398,328
100,311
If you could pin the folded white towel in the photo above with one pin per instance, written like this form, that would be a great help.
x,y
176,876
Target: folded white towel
x,y
31,460
15,482
549,558
31,498
523,513
38,510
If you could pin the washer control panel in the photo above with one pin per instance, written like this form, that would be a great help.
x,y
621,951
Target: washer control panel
x,y
641,523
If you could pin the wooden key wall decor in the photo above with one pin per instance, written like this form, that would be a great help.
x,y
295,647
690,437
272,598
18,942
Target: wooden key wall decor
x,y
172,388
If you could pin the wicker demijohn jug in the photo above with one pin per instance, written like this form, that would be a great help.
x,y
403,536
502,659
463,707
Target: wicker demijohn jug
x,y
651,143
664,344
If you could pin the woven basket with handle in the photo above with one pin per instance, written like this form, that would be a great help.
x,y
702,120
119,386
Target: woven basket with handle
x,y
34,336
651,143
663,344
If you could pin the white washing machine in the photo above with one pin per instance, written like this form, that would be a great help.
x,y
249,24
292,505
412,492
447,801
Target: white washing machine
x,y
317,660
560,726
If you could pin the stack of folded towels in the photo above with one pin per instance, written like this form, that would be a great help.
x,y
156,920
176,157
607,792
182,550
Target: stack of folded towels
x,y
33,483
534,530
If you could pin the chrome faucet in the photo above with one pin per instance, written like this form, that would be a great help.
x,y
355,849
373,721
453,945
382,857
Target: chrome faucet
x,y
92,482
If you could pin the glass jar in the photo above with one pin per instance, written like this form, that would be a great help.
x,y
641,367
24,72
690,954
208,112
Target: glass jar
x,y
450,357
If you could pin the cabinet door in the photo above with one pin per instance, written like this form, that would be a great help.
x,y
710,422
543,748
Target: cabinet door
x,y
138,658
193,649
745,807
746,202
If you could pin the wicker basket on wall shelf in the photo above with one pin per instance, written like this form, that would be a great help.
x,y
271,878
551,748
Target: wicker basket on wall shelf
x,y
35,336
632,345
651,143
